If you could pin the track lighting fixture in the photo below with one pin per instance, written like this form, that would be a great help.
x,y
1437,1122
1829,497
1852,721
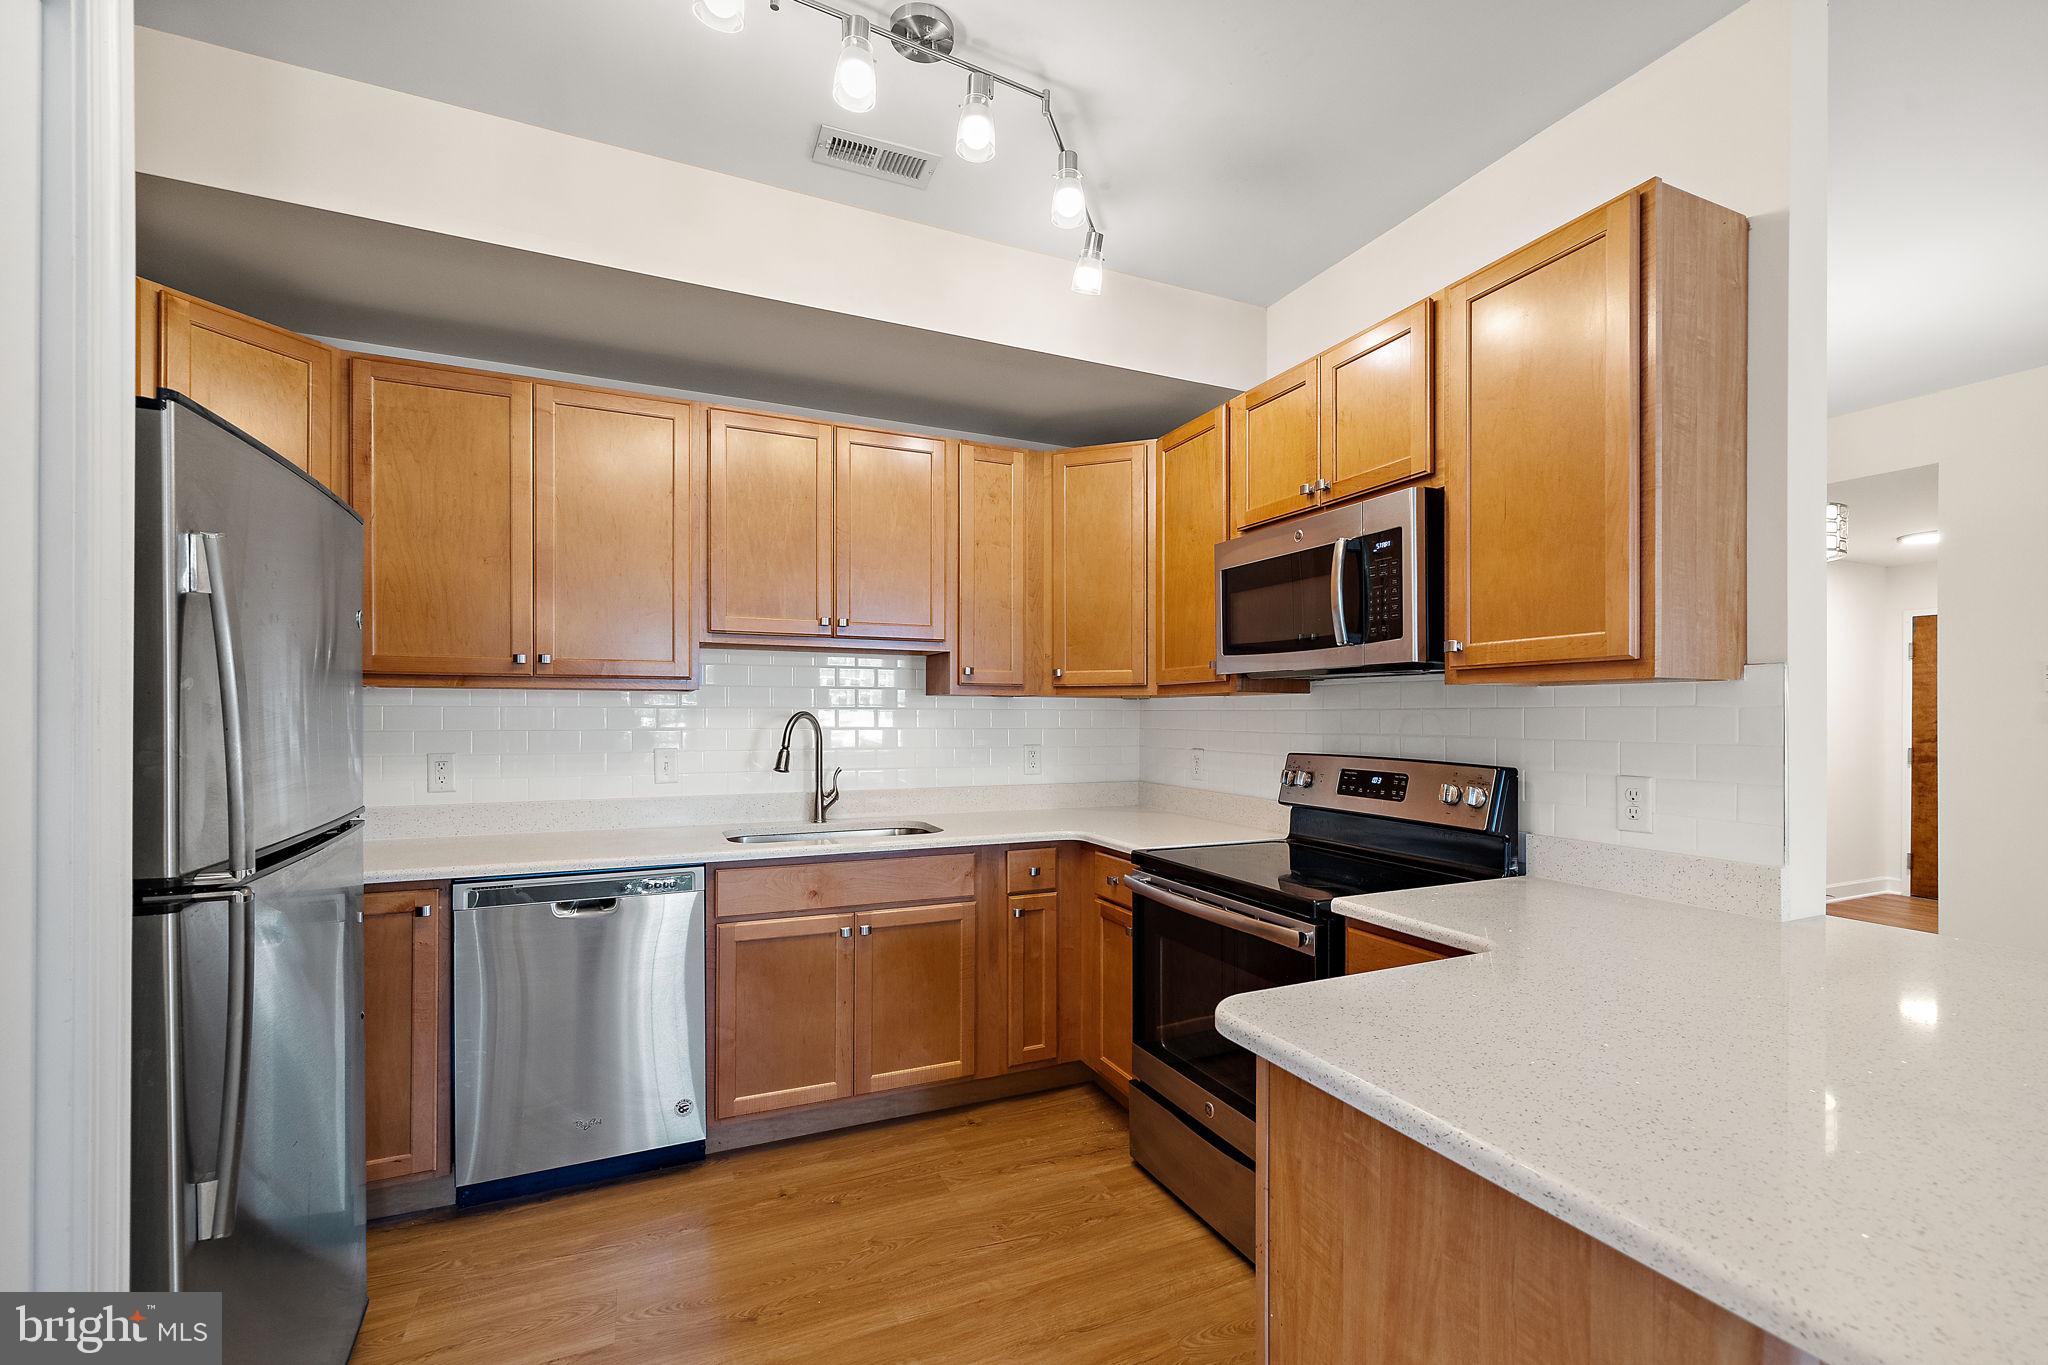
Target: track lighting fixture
x,y
1069,197
1088,269
853,77
721,16
976,138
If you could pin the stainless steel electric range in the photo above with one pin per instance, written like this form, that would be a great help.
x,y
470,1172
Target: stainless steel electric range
x,y
1218,920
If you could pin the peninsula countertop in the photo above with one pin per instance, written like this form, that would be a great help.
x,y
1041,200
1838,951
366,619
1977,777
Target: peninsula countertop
x,y
1122,828
1832,1129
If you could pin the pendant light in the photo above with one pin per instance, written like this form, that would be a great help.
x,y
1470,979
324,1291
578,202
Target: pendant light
x,y
1088,269
721,16
976,138
853,77
1069,196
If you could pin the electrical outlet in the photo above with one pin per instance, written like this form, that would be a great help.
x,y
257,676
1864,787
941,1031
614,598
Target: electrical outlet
x,y
1195,766
1034,761
440,772
665,765
1635,804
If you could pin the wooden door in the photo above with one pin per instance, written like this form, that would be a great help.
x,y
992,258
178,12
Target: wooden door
x,y
1099,566
914,996
1194,514
444,480
405,971
276,385
1113,992
784,1024
769,525
611,534
1031,979
1275,433
1543,465
1377,404
1923,876
994,593
893,536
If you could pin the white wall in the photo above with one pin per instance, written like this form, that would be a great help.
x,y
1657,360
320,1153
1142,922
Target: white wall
x,y
213,116
1991,442
1869,606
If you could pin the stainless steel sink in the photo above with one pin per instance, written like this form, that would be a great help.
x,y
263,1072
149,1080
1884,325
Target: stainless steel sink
x,y
826,833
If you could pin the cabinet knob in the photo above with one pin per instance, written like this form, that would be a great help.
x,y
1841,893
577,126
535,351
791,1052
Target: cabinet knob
x,y
843,622
518,658
423,911
845,932
1114,881
866,929
825,621
547,658
1307,489
1059,672
1034,872
1016,912
1322,485
1454,646
967,670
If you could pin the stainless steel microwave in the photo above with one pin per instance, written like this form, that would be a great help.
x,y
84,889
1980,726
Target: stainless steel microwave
x,y
1355,589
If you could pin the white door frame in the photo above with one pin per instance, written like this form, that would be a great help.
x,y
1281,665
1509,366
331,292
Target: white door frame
x,y
67,436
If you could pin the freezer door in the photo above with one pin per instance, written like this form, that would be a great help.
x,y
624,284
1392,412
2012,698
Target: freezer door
x,y
227,531
247,1104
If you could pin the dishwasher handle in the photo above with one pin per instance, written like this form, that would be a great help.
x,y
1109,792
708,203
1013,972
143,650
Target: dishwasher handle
x,y
586,909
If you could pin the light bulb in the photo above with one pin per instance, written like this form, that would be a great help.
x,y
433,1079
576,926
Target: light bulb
x,y
1069,198
721,16
976,140
853,78
1088,269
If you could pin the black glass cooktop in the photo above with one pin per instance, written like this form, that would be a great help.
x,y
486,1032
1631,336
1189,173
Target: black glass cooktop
x,y
1300,878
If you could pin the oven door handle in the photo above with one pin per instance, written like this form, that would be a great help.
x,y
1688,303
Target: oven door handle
x,y
1286,936
1338,552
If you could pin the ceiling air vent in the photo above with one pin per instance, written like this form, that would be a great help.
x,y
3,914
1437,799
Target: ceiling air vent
x,y
870,156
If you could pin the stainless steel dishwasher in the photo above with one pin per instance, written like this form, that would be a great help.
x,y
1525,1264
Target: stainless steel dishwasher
x,y
579,1028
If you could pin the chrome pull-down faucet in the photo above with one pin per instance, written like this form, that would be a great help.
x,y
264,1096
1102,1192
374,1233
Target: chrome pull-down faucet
x,y
823,798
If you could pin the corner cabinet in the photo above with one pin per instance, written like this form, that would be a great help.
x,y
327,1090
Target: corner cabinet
x,y
999,613
1594,425
1191,477
1101,560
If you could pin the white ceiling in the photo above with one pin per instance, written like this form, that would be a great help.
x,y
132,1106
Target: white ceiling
x,y
1237,149
1938,197
1883,507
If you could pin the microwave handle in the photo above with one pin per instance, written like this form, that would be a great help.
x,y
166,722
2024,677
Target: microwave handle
x,y
1338,551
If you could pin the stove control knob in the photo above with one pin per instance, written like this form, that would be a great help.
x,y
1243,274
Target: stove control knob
x,y
1475,797
1304,777
1287,777
1452,793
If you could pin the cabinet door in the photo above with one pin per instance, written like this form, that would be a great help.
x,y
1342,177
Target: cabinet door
x,y
1542,466
276,385
1113,992
993,591
1376,406
1099,566
784,1033
1194,514
405,968
611,535
894,535
770,525
1274,435
914,1001
1031,979
444,480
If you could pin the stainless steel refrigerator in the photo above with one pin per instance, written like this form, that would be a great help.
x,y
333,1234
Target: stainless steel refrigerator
x,y
248,1070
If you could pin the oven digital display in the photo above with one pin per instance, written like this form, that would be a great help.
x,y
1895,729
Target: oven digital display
x,y
1373,786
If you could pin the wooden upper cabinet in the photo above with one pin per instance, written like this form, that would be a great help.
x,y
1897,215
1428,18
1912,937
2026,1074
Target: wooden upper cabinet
x,y
1275,437
405,1034
1545,470
995,592
769,525
1100,563
893,540
444,480
1192,482
612,534
783,1013
278,386
914,996
1377,406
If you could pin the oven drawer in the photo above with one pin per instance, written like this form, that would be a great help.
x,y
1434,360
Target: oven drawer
x,y
1218,1185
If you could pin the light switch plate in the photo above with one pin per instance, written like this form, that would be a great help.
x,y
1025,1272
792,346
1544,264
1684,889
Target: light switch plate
x,y
665,765
1635,804
440,772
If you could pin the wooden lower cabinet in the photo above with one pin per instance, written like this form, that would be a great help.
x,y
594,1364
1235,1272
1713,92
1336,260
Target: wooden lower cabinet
x,y
913,996
1111,1051
405,1032
784,1026
1372,950
1031,980
1375,1250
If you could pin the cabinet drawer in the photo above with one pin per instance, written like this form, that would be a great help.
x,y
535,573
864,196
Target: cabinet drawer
x,y
1373,950
1109,870
1033,869
841,884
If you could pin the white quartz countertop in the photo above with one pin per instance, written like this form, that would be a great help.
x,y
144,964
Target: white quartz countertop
x,y
1836,1130
498,855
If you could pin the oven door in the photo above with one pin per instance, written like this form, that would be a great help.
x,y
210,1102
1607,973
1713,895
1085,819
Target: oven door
x,y
1192,950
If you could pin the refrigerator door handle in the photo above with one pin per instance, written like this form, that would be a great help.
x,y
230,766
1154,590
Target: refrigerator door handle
x,y
216,1193
203,575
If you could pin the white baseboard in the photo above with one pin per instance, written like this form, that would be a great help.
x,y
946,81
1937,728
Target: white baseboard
x,y
1869,886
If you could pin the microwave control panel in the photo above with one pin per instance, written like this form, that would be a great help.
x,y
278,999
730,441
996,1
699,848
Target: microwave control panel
x,y
1383,586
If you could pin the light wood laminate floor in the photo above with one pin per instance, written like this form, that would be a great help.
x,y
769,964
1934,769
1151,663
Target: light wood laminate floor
x,y
1900,912
1013,1231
